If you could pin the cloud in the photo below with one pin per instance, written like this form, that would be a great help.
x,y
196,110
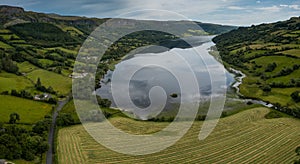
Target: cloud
x,y
236,12
235,8
295,7
270,9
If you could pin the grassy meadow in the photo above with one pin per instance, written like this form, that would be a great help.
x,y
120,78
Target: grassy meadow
x,y
30,111
10,81
60,83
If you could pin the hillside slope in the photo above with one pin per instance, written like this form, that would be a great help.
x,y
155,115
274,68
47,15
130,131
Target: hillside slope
x,y
269,54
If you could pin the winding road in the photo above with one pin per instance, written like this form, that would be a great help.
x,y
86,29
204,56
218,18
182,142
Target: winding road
x,y
49,155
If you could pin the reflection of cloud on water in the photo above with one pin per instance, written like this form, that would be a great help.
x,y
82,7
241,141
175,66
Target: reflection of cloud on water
x,y
151,76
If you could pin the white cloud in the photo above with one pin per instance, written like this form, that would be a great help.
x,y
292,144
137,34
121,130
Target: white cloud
x,y
214,11
270,9
295,7
235,8
191,9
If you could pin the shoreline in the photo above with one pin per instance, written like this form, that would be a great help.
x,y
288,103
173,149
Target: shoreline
x,y
239,76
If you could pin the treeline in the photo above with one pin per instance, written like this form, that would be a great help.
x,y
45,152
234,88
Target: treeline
x,y
27,95
45,34
7,64
261,32
291,84
20,143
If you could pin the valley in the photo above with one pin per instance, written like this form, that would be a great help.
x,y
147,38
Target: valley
x,y
38,52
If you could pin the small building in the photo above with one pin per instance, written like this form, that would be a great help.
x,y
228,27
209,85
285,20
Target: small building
x,y
44,96
78,75
3,161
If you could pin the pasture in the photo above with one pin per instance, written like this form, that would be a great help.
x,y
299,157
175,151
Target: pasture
x,y
10,81
30,111
58,82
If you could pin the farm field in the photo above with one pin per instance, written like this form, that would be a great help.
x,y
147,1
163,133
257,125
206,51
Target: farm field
x,y
58,82
246,137
30,111
26,67
10,81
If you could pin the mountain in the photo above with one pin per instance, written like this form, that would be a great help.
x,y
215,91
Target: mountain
x,y
269,54
10,15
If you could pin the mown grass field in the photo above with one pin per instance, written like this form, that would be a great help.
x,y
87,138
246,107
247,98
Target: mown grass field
x,y
246,137
30,111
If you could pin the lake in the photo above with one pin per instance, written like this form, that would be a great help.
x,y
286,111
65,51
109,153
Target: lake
x,y
199,60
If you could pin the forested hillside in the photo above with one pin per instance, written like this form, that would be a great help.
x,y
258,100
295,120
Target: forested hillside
x,y
269,54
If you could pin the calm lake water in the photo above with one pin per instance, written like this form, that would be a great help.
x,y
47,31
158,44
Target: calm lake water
x,y
150,76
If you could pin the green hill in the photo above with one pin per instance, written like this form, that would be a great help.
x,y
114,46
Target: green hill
x,y
269,54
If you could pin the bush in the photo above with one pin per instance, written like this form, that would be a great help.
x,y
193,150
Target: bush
x,y
273,114
271,67
266,88
65,119
296,96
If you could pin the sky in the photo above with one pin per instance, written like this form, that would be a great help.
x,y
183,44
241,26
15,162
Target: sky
x,y
229,12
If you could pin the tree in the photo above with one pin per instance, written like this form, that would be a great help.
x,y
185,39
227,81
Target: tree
x,y
9,66
42,148
271,67
298,150
38,83
12,148
174,95
42,126
266,88
37,145
65,119
1,125
296,96
105,103
13,118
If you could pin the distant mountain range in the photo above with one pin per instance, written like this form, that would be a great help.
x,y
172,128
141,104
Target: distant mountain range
x,y
10,16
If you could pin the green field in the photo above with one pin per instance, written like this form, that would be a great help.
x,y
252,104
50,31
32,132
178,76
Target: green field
x,y
294,52
46,62
60,83
26,67
5,46
10,81
281,62
246,137
64,49
29,111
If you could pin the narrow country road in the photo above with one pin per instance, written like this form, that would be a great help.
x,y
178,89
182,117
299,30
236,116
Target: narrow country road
x,y
49,155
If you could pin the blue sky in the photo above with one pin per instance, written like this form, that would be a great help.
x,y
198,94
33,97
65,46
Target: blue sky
x,y
233,12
